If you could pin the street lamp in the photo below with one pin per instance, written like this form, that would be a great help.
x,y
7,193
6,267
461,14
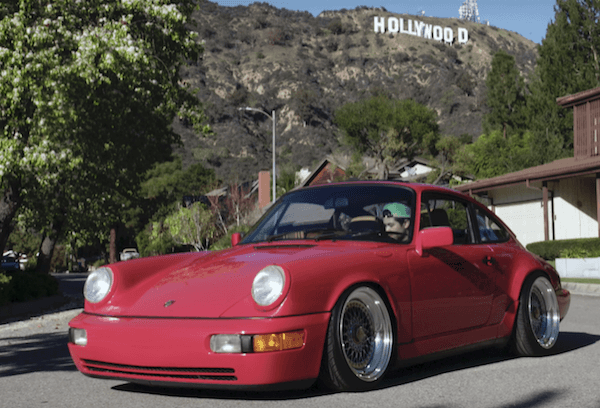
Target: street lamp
x,y
273,119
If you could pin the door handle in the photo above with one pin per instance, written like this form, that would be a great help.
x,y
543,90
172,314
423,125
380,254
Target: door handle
x,y
489,260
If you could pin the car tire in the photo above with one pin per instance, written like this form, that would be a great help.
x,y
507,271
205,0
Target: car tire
x,y
538,318
360,342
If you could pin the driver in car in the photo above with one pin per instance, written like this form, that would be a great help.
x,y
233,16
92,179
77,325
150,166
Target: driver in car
x,y
396,219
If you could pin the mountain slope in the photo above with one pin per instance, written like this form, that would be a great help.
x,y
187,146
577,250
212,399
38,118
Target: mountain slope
x,y
305,67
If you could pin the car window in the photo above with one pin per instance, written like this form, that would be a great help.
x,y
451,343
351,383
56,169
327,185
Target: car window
x,y
489,230
447,212
352,211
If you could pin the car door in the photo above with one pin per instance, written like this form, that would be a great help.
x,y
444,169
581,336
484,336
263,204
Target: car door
x,y
451,287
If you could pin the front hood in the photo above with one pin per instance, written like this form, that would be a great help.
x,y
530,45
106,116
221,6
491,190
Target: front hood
x,y
203,287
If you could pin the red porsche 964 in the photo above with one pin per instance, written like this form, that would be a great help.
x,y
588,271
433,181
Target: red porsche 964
x,y
339,283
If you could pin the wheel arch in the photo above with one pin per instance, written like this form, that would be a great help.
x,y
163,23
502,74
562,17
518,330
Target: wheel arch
x,y
346,288
515,286
331,374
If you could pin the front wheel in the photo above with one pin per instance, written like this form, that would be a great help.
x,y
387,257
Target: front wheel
x,y
359,342
538,318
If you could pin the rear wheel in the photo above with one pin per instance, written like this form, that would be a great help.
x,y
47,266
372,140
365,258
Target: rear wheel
x,y
538,318
359,342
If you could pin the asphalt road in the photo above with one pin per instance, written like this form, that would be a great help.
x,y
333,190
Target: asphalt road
x,y
36,371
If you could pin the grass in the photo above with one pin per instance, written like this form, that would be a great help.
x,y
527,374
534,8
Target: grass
x,y
581,280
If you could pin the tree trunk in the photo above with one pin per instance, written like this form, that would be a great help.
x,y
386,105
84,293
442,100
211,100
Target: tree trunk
x,y
47,246
112,255
9,204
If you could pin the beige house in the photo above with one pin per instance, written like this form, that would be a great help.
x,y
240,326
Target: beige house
x,y
557,200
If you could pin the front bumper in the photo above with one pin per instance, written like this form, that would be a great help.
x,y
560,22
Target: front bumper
x,y
177,351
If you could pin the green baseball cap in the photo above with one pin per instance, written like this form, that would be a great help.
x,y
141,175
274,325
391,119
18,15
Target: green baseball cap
x,y
398,210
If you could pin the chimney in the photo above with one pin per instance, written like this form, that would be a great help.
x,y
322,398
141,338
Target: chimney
x,y
264,189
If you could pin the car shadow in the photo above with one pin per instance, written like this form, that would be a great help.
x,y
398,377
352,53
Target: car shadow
x,y
567,342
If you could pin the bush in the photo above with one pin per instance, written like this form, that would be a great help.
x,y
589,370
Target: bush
x,y
566,248
5,289
19,286
225,241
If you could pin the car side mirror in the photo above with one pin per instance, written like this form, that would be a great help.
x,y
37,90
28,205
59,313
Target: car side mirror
x,y
433,237
236,237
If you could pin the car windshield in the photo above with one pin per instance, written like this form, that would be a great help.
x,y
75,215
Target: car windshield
x,y
346,211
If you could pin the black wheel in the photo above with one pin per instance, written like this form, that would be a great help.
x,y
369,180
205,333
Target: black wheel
x,y
359,343
538,318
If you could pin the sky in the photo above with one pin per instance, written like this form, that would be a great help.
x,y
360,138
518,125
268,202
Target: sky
x,y
530,18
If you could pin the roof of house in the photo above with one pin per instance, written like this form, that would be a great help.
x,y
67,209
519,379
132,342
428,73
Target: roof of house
x,y
580,97
558,169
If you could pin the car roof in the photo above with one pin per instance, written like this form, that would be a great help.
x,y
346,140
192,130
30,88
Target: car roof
x,y
417,187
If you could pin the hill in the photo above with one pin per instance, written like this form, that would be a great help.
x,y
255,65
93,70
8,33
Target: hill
x,y
305,67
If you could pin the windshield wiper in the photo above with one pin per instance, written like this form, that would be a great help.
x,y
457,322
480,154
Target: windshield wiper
x,y
287,235
344,234
327,234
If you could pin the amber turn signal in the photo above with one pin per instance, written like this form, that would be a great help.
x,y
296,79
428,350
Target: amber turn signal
x,y
277,342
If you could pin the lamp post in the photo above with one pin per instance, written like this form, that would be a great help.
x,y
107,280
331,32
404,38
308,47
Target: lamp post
x,y
273,120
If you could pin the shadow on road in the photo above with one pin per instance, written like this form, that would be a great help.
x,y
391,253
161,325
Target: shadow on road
x,y
35,353
567,342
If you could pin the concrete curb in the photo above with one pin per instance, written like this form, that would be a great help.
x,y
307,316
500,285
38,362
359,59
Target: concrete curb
x,y
582,288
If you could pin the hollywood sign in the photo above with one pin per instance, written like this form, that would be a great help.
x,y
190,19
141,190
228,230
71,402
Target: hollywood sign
x,y
420,29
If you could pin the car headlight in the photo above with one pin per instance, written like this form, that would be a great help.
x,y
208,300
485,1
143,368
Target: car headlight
x,y
98,285
268,285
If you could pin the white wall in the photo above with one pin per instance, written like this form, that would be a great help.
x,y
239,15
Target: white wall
x,y
526,220
574,202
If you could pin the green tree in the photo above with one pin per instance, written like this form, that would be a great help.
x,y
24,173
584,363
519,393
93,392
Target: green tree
x,y
493,154
445,163
388,129
193,225
90,90
568,63
505,96
167,183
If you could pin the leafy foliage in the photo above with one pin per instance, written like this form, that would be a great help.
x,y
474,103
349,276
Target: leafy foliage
x,y
493,154
91,91
446,162
193,225
388,129
506,95
21,286
568,63
571,247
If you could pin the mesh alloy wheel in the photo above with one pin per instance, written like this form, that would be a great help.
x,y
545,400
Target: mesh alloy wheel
x,y
365,333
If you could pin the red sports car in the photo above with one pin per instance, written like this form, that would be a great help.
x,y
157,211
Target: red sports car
x,y
340,283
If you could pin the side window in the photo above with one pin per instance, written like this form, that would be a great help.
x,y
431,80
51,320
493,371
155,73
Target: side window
x,y
490,230
447,212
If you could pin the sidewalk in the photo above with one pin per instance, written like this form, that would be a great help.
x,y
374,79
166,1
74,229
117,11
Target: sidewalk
x,y
24,310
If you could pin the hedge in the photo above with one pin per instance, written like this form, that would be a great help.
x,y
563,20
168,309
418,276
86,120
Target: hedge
x,y
567,248
20,286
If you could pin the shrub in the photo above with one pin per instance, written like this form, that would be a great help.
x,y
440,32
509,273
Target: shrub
x,y
225,241
5,288
19,286
575,248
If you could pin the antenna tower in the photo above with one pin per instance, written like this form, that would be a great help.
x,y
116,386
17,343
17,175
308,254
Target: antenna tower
x,y
469,11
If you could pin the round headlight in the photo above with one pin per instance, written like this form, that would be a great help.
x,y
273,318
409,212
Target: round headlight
x,y
268,285
98,285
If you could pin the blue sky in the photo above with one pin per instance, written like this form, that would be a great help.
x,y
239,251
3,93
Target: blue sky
x,y
530,18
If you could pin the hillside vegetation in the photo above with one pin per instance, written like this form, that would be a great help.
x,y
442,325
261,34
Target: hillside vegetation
x,y
306,67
